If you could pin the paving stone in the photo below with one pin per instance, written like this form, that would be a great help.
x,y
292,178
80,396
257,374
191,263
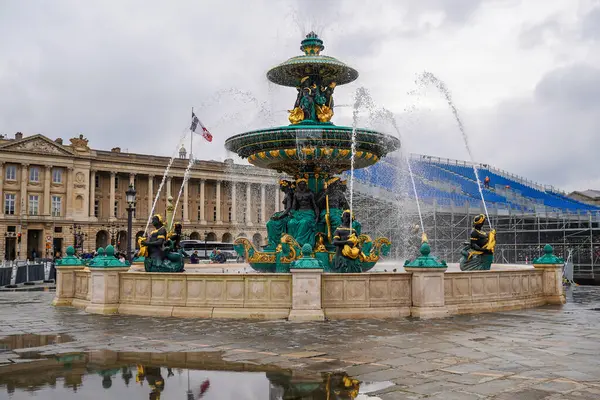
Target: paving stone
x,y
493,387
525,394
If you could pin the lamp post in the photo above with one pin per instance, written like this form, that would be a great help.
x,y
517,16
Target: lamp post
x,y
113,230
130,196
78,237
205,240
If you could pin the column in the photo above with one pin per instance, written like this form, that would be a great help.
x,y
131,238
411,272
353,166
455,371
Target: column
x,y
47,181
202,213
233,203
70,186
263,203
24,180
218,201
248,204
1,189
92,193
168,187
111,202
277,199
186,213
150,192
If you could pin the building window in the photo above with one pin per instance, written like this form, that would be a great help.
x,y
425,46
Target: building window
x,y
34,204
133,211
116,209
258,216
11,173
34,174
199,213
230,214
97,181
56,206
116,182
182,212
244,215
9,204
96,207
214,213
57,175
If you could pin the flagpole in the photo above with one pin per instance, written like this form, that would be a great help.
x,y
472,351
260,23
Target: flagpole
x,y
191,136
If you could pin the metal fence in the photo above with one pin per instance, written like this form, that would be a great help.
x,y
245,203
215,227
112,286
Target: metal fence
x,y
13,273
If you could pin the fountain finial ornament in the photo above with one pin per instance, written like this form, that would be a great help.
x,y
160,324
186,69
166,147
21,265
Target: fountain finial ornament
x,y
312,45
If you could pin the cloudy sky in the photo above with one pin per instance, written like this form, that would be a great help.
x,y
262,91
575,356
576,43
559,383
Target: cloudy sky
x,y
524,74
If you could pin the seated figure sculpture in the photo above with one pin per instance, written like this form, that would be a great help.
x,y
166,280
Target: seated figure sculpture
x,y
304,214
163,255
277,225
348,254
332,202
478,254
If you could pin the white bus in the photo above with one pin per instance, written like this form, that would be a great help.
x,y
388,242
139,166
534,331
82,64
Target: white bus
x,y
205,248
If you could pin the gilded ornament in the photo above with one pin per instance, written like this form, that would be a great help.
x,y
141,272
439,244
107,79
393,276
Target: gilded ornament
x,y
290,152
274,153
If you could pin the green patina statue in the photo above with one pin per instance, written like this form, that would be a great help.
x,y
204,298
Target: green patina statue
x,y
304,214
478,253
278,224
348,255
164,254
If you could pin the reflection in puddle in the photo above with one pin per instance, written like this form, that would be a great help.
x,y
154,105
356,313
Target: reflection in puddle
x,y
191,376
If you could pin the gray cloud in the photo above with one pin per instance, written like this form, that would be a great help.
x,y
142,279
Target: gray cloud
x,y
126,74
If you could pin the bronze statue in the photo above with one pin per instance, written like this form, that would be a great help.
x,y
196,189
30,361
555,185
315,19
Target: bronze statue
x,y
304,214
163,255
277,225
478,253
348,254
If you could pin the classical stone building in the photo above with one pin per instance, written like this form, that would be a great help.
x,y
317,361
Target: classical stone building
x,y
52,192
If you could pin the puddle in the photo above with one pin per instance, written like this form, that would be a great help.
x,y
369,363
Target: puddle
x,y
191,376
27,341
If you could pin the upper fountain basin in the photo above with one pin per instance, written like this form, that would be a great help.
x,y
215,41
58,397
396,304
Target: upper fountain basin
x,y
311,148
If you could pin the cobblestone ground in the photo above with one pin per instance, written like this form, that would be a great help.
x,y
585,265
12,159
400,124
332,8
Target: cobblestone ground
x,y
545,353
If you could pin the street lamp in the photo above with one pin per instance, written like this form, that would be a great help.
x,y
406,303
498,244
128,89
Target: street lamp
x,y
205,240
130,197
113,230
78,237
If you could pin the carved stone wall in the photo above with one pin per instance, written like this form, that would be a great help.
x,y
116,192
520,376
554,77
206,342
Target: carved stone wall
x,y
466,292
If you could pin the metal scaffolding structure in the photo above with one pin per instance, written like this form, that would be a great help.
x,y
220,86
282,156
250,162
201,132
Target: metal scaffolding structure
x,y
520,236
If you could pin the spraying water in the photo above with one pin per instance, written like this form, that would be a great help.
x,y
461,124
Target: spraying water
x,y
390,116
427,78
362,98
164,178
186,177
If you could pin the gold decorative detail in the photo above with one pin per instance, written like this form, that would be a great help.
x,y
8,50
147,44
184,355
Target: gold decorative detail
x,y
296,115
291,242
257,256
343,153
491,243
262,155
252,158
143,252
274,153
320,247
376,249
301,180
290,152
375,158
324,113
308,151
368,156
359,154
326,151
332,180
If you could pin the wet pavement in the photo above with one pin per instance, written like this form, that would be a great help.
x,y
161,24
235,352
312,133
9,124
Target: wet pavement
x,y
545,353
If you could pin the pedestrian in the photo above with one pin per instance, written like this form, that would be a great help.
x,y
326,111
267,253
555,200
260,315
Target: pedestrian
x,y
194,258
486,182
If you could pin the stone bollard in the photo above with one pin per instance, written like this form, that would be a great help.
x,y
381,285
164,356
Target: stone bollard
x,y
105,279
427,285
552,278
306,288
65,278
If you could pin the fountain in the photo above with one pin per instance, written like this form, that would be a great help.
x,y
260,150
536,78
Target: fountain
x,y
313,151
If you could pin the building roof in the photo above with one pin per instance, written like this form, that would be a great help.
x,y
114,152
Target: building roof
x,y
591,193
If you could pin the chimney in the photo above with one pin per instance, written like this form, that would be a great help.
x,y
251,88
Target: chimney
x,y
116,150
59,140
18,136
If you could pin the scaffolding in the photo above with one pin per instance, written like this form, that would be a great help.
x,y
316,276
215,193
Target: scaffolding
x,y
520,236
